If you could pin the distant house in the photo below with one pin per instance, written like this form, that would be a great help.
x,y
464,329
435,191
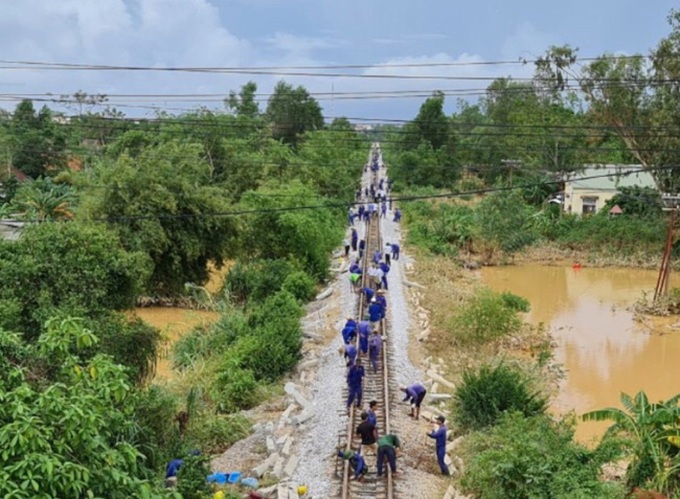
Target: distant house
x,y
587,192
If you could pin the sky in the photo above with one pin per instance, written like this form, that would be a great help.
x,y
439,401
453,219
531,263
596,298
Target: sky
x,y
283,33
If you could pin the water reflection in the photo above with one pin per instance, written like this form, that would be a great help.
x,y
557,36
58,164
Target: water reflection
x,y
603,349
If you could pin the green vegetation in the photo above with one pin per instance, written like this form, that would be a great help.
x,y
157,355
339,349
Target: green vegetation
x,y
66,423
133,209
651,432
486,394
524,457
486,317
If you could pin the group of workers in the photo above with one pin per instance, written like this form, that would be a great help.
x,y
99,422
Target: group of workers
x,y
386,447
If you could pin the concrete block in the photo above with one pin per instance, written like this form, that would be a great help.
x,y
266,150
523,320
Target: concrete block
x,y
435,387
436,377
271,446
291,465
277,470
324,294
304,416
262,468
269,428
292,390
308,364
287,446
267,492
439,396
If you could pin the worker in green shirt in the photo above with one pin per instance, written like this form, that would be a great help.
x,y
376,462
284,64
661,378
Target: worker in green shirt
x,y
388,446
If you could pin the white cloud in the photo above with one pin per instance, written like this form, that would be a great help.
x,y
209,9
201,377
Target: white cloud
x,y
167,33
527,41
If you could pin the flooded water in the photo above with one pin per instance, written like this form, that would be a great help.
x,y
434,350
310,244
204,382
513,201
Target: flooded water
x,y
173,324
602,348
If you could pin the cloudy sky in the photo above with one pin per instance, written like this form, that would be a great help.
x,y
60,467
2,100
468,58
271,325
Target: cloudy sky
x,y
291,33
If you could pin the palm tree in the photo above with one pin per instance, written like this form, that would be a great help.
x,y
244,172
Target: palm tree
x,y
653,433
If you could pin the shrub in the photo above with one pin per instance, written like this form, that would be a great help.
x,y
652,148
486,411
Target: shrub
x,y
191,482
130,341
535,457
256,280
215,433
442,229
486,394
486,317
158,435
74,267
504,221
300,285
516,302
235,388
210,340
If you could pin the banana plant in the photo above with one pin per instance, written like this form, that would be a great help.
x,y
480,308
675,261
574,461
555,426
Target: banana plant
x,y
653,434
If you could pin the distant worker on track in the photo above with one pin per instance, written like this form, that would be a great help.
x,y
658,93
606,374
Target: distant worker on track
x,y
354,239
369,436
355,380
356,462
397,215
388,447
439,434
349,352
364,331
415,394
374,348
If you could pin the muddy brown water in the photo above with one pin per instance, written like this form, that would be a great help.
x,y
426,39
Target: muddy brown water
x,y
173,324
603,349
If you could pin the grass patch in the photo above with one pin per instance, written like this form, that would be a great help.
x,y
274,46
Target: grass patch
x,y
486,394
485,318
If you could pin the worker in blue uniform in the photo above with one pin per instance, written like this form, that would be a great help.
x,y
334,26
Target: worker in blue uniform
x,y
415,394
439,434
355,379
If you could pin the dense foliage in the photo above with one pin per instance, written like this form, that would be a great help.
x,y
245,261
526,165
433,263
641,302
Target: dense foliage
x,y
486,394
524,457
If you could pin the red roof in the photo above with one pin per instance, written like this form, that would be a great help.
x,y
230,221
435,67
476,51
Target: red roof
x,y
616,210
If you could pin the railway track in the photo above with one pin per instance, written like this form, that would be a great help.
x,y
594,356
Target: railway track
x,y
375,387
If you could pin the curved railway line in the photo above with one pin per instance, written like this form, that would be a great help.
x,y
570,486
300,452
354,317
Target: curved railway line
x,y
375,387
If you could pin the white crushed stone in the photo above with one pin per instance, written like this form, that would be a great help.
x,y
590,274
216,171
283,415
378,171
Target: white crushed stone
x,y
399,320
318,438
320,435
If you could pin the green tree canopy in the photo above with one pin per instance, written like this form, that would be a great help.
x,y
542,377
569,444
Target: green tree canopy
x,y
292,112
163,204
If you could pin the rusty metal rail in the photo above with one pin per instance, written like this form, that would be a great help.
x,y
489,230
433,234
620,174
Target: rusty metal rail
x,y
375,387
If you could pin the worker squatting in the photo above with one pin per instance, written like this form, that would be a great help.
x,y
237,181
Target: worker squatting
x,y
386,447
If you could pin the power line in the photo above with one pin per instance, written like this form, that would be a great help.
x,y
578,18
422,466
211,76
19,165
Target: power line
x,y
185,216
81,66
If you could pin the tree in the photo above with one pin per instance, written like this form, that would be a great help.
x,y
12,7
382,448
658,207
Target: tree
x,y
164,205
292,112
37,143
307,235
71,438
654,435
244,104
42,200
432,125
632,99
65,268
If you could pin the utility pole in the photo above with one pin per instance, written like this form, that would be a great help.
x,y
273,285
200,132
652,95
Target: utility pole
x,y
511,165
671,203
